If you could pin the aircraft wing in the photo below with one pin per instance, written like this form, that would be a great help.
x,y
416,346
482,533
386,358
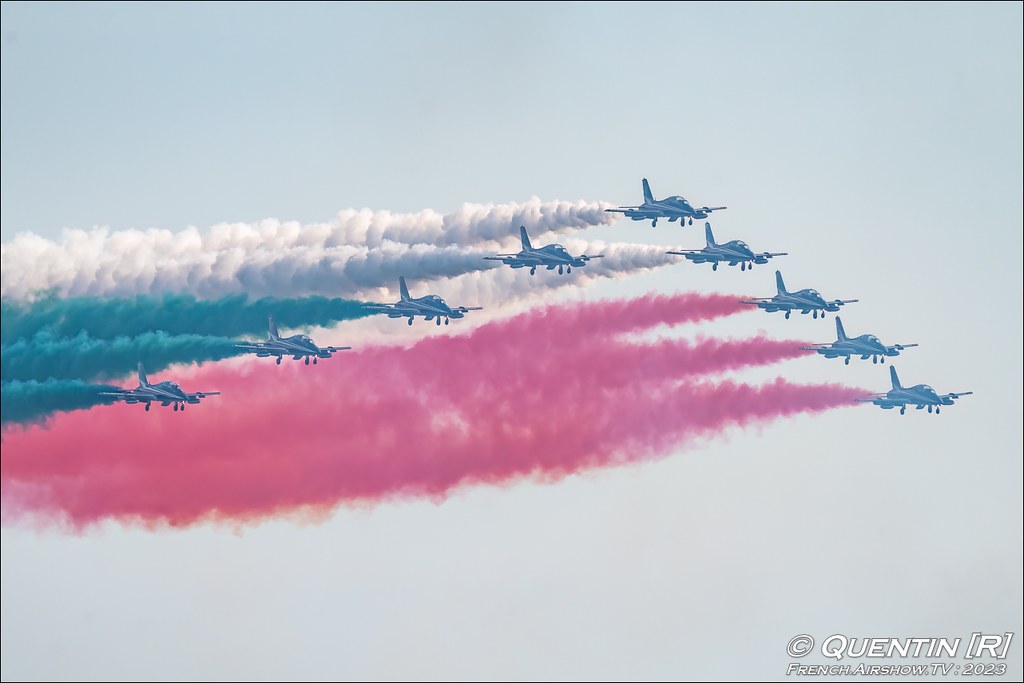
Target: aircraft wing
x,y
524,259
250,346
956,394
685,252
900,347
713,208
499,257
622,209
756,300
202,394
587,257
816,347
845,301
332,349
381,307
468,308
772,254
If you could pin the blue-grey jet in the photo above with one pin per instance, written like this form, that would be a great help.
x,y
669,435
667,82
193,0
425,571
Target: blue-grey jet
x,y
805,301
165,393
431,307
734,252
552,256
920,395
298,346
673,208
866,346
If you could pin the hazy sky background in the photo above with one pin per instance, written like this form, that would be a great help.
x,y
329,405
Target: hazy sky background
x,y
879,144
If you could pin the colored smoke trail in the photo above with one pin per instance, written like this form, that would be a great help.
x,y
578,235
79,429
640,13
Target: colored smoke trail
x,y
44,356
591,319
32,401
355,251
519,398
230,316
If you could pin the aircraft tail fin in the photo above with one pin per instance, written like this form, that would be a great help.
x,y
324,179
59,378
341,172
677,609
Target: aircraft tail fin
x,y
709,234
895,378
403,289
648,195
525,238
143,380
779,284
839,329
272,328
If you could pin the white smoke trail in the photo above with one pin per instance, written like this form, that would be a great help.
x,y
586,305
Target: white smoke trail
x,y
357,249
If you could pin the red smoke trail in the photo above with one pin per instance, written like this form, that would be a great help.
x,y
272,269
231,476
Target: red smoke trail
x,y
485,407
627,315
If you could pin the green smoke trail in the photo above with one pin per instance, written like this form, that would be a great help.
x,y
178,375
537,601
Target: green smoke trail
x,y
32,401
108,318
45,356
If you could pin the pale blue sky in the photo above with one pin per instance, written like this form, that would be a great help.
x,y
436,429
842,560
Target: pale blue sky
x,y
880,144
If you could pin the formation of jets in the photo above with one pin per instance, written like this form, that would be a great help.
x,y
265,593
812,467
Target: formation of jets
x,y
737,252
555,256
552,256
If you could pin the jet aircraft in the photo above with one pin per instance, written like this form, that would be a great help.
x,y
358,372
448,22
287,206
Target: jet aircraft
x,y
673,208
734,252
165,393
552,256
431,307
865,346
298,346
805,301
920,396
